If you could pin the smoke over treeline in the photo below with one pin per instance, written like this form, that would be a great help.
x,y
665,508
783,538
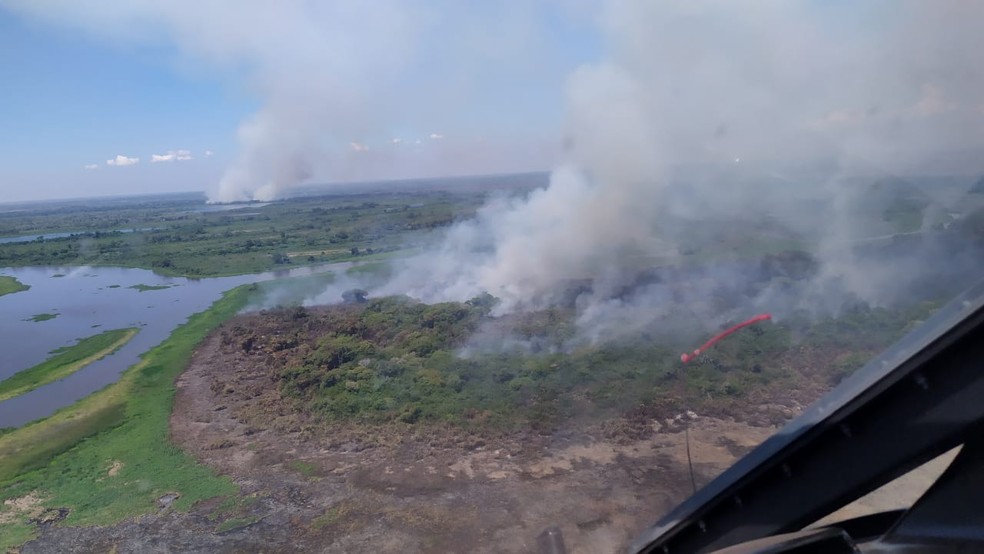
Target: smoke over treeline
x,y
723,123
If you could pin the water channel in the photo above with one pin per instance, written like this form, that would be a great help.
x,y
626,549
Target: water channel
x,y
88,300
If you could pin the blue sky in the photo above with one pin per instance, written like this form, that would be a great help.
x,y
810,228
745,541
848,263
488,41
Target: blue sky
x,y
73,95
292,91
68,100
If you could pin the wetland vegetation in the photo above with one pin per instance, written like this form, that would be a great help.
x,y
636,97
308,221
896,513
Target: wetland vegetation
x,y
173,236
10,285
108,456
375,371
65,361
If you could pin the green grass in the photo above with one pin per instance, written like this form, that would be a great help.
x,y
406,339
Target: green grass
x,y
306,469
10,285
41,317
66,361
65,459
144,288
235,523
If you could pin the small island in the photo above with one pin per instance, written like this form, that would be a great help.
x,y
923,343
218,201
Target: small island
x,y
10,285
41,317
144,288
65,361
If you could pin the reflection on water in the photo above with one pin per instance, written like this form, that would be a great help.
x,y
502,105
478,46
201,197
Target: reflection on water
x,y
89,300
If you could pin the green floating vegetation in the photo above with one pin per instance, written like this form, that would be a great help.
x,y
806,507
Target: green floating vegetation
x,y
66,361
144,288
126,461
41,317
10,285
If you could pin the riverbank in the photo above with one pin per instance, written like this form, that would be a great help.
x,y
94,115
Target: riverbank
x,y
108,457
66,361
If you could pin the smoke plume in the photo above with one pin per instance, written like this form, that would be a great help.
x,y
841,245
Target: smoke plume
x,y
708,117
328,74
704,119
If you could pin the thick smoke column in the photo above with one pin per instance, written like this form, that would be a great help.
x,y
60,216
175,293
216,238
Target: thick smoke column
x,y
700,111
319,68
762,109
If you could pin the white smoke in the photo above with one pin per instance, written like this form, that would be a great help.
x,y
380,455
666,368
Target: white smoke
x,y
330,73
700,110
804,94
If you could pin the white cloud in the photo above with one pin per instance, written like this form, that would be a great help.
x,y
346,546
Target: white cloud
x,y
120,159
436,136
90,166
208,153
172,155
359,147
397,141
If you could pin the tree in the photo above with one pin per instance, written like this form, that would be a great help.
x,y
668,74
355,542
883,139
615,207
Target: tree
x,y
355,296
280,258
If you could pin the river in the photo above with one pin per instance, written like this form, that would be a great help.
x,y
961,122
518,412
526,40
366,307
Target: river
x,y
88,300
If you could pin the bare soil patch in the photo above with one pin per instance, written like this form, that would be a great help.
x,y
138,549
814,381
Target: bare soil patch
x,y
310,487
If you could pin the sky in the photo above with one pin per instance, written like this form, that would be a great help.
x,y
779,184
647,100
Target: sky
x,y
246,99
69,101
137,97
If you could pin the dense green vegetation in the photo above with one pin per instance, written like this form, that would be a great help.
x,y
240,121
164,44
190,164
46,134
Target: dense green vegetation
x,y
393,359
176,237
10,285
65,361
108,456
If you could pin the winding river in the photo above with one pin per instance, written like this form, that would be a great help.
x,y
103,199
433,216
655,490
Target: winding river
x,y
88,300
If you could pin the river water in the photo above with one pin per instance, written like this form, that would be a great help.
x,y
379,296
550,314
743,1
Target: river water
x,y
88,300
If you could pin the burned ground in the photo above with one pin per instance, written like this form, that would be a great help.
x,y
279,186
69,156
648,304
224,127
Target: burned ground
x,y
312,478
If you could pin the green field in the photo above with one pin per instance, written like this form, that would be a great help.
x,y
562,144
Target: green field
x,y
65,361
10,285
108,456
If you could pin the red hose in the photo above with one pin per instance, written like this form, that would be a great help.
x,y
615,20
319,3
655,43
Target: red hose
x,y
685,357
